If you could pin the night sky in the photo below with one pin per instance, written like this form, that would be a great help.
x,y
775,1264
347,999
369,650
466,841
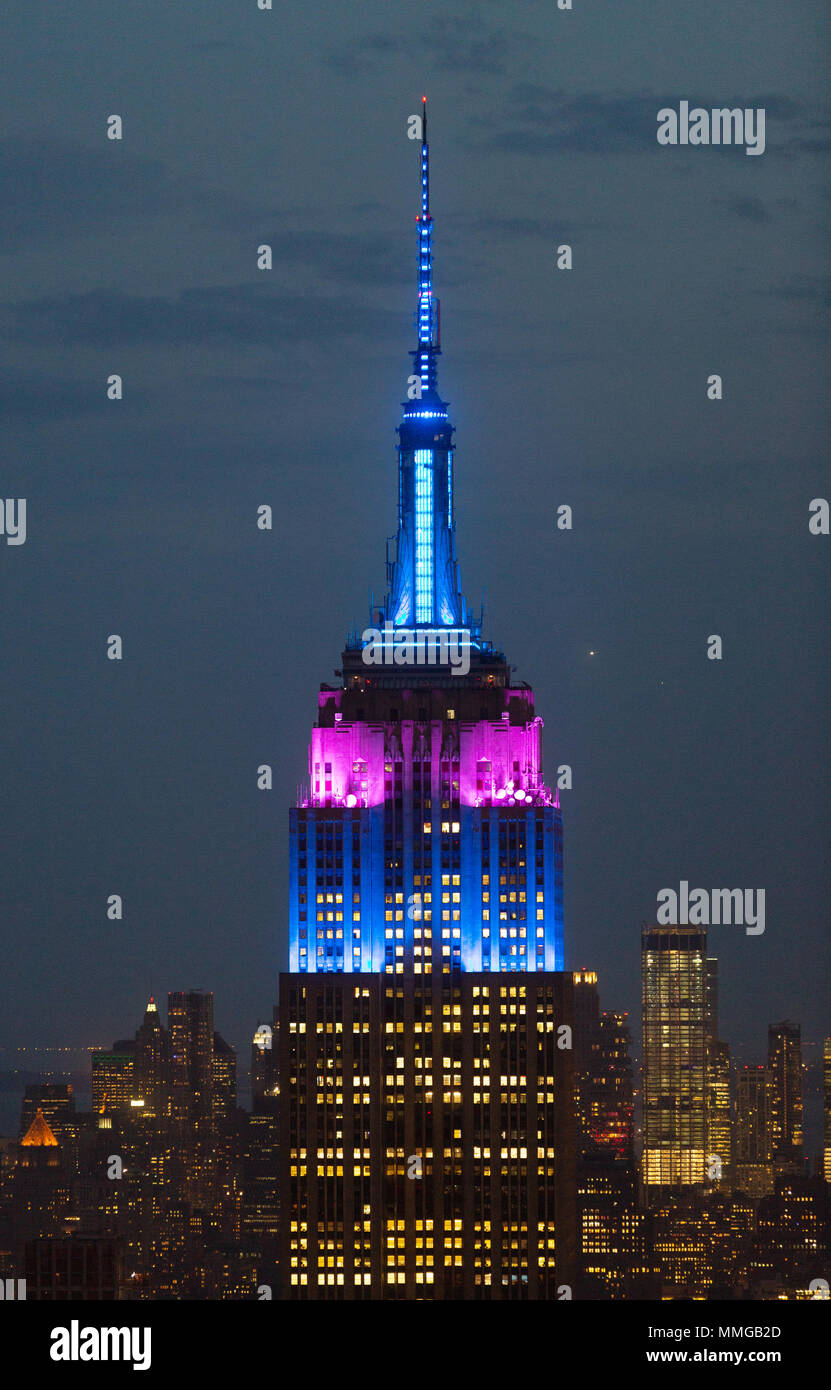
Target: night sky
x,y
244,387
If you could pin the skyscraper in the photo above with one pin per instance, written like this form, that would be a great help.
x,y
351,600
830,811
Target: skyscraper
x,y
719,1114
40,1180
673,964
153,1063
425,1051
114,1077
55,1100
719,1104
785,1068
224,1079
826,1109
190,1023
264,1052
611,1229
753,1166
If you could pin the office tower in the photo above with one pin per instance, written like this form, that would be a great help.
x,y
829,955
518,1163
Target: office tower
x,y
190,1025
264,1060
611,1230
261,1162
719,1114
261,1156
114,1077
197,1158
152,1054
135,1075
40,1181
719,1105
224,1078
785,1068
56,1102
586,1021
425,1059
753,1164
674,1063
616,1093
586,1053
604,1091
613,1246
826,1108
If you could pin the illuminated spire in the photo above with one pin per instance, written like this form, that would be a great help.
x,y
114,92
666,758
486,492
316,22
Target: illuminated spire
x,y
423,578
427,312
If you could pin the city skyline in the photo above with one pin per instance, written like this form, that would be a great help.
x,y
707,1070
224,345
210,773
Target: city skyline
x,y
478,1049
568,387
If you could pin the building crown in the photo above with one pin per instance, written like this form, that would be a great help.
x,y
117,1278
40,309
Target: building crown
x,y
39,1132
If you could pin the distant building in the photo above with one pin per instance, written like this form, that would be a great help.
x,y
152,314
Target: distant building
x,y
39,1135
719,1115
224,1078
785,1068
56,1102
674,1056
719,1089
615,1091
40,1181
190,1024
792,1233
75,1268
264,1062
260,1185
114,1077
602,1071
695,1245
753,1148
152,1064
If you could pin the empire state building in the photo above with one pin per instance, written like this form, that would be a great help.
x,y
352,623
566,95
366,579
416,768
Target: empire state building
x,y
425,1023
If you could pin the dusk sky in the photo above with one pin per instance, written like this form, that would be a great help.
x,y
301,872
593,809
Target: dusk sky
x,y
242,387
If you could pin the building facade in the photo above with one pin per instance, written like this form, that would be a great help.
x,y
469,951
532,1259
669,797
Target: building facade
x,y
673,978
753,1166
426,1022
785,1069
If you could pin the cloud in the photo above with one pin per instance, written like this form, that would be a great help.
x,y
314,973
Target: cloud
x,y
366,260
813,288
241,313
461,228
461,44
218,46
749,209
34,395
755,209
56,189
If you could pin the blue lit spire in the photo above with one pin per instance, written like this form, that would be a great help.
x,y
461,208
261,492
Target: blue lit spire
x,y
427,313
423,577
